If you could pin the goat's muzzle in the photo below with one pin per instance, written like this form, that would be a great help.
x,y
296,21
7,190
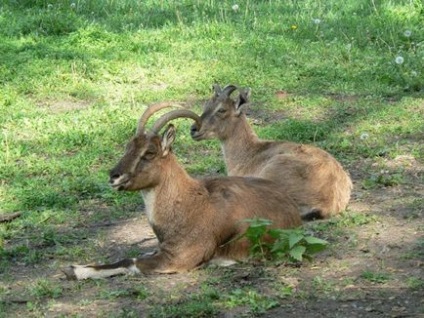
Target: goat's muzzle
x,y
118,181
195,132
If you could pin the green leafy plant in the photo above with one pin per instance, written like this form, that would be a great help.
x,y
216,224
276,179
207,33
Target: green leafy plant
x,y
289,245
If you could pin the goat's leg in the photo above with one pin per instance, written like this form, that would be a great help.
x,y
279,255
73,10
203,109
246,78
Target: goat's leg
x,y
160,262
80,272
148,263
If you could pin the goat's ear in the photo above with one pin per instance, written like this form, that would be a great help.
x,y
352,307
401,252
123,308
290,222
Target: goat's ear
x,y
242,100
168,139
216,89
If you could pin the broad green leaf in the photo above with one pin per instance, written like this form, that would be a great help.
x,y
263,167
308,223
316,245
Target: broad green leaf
x,y
297,252
315,240
274,233
315,248
294,238
281,246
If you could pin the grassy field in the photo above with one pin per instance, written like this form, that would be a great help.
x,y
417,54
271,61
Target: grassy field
x,y
75,77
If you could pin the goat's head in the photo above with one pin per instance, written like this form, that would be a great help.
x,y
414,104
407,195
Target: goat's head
x,y
143,160
220,113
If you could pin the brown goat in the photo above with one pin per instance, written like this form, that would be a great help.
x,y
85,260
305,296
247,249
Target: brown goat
x,y
310,175
195,220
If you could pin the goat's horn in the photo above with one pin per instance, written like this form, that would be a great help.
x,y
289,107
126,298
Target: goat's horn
x,y
151,110
227,90
217,89
178,113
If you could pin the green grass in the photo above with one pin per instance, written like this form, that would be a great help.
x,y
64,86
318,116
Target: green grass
x,y
76,75
375,277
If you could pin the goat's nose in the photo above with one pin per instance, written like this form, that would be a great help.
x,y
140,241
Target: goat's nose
x,y
113,177
193,129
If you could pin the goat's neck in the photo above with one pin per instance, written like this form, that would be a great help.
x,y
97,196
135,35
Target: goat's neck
x,y
160,201
241,143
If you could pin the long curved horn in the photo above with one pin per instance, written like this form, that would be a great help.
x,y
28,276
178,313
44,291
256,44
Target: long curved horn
x,y
151,110
178,113
227,90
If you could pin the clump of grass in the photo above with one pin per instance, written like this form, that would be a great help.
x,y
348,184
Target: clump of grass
x,y
194,306
257,303
375,277
415,283
45,288
139,293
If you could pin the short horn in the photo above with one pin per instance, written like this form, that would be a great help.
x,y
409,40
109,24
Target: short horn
x,y
179,113
216,89
227,90
151,110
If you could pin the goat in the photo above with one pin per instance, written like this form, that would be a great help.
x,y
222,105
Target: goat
x,y
194,220
311,176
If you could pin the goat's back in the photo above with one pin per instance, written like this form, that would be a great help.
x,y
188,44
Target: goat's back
x,y
310,175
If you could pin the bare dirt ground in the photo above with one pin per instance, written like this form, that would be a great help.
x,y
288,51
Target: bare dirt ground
x,y
374,266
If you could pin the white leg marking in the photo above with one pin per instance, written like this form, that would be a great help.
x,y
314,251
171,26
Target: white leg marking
x,y
133,269
81,272
223,262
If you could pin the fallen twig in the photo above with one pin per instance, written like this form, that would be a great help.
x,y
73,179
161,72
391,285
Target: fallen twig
x,y
9,217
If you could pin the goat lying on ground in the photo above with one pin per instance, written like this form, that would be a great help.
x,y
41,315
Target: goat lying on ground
x,y
311,176
195,220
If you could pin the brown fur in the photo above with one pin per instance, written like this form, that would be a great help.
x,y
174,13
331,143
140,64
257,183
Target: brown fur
x,y
195,220
310,175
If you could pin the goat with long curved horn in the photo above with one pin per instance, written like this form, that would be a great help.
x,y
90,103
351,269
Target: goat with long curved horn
x,y
153,109
195,220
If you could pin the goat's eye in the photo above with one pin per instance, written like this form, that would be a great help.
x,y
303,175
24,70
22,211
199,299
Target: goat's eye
x,y
222,110
148,156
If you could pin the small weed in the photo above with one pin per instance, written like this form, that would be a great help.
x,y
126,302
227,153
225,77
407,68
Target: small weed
x,y
415,283
417,209
196,306
417,252
383,179
139,293
210,292
45,288
323,285
379,278
133,251
22,252
355,219
343,221
113,294
127,313
257,303
348,281
283,290
291,245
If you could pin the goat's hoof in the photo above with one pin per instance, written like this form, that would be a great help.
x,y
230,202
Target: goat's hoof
x,y
69,272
